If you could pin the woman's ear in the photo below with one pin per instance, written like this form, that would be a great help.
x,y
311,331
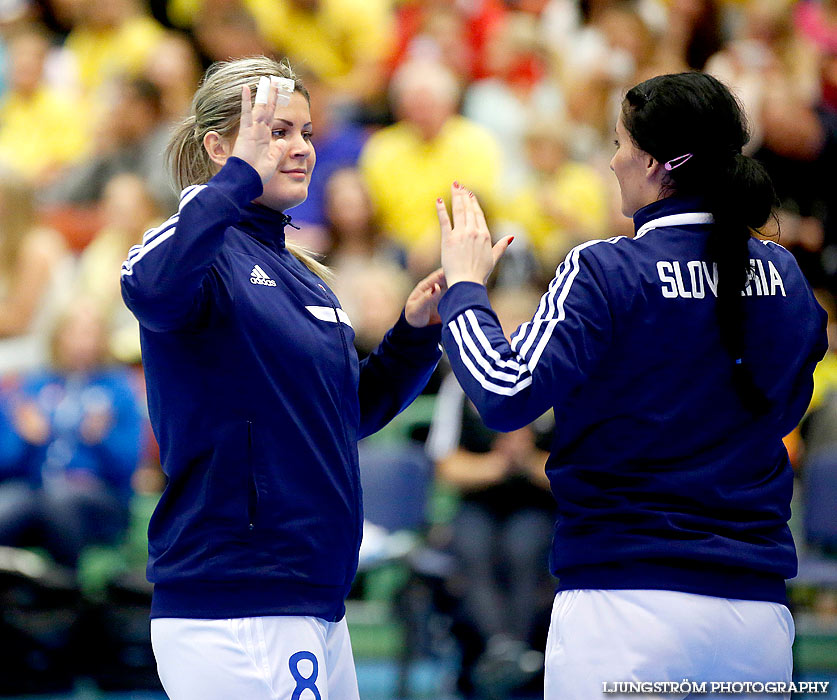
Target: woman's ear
x,y
654,170
217,147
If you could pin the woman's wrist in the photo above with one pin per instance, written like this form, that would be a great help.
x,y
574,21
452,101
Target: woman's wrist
x,y
464,278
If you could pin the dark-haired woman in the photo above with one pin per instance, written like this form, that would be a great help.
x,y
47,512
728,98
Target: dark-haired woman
x,y
675,361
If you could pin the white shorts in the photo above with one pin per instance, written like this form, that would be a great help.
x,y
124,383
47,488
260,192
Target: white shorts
x,y
606,636
258,658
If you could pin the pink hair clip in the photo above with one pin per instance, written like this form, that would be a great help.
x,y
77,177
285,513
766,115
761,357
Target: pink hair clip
x,y
677,162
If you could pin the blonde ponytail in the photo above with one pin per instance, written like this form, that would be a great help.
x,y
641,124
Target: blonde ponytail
x,y
216,106
309,259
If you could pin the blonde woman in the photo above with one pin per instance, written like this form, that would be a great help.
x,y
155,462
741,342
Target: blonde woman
x,y
36,269
257,398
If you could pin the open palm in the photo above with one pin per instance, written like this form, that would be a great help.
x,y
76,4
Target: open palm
x,y
254,143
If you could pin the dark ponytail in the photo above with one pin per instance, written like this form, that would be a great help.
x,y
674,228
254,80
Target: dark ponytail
x,y
672,115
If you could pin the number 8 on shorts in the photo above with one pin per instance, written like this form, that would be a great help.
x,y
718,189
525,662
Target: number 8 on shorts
x,y
303,682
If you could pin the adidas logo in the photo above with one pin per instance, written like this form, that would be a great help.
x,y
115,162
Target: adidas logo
x,y
259,276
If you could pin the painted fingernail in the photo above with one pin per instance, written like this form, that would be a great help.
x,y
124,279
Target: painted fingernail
x,y
470,194
510,240
439,200
456,184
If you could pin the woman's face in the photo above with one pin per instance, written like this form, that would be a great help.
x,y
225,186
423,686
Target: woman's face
x,y
289,186
347,203
636,172
81,342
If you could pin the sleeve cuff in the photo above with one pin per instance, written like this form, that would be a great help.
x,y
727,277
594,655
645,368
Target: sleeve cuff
x,y
429,337
239,181
461,297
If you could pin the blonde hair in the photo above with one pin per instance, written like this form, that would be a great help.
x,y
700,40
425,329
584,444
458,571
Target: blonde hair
x,y
18,217
216,106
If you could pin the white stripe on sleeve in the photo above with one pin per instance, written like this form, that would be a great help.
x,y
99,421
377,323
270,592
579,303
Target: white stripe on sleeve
x,y
154,237
478,356
476,374
535,334
486,345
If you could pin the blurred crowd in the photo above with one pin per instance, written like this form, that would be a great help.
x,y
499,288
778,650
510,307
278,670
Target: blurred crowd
x,y
517,99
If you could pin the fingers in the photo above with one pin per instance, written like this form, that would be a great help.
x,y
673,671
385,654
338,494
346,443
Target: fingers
x,y
438,279
264,105
500,247
479,215
457,199
435,280
262,90
470,216
246,108
444,219
272,97
467,213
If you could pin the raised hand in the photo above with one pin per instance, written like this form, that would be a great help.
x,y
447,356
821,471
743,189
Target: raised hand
x,y
467,253
422,307
254,143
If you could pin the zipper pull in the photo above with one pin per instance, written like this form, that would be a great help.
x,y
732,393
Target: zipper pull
x,y
333,306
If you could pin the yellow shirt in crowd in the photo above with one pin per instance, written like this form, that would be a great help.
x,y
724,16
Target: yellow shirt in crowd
x,y
825,380
102,54
579,193
95,280
40,132
329,41
405,174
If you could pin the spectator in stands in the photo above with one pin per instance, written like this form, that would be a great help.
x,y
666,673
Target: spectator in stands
x,y
339,142
110,39
599,60
174,68
562,202
458,34
35,271
354,238
132,136
226,29
519,90
370,290
345,41
41,128
79,425
407,164
766,62
818,430
128,210
502,531
693,34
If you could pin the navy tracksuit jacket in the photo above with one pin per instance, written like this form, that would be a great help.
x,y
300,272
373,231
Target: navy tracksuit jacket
x,y
258,400
663,479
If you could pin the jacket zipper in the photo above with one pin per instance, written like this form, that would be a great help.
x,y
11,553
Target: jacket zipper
x,y
253,492
349,450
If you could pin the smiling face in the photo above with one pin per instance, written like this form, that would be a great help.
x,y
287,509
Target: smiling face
x,y
289,186
639,175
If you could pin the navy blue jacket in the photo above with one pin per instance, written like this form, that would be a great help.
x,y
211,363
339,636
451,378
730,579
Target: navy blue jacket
x,y
257,400
663,479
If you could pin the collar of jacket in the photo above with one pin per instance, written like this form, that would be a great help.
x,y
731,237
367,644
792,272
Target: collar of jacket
x,y
265,224
668,206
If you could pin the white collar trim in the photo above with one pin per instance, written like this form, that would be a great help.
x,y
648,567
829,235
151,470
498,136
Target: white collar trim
x,y
675,220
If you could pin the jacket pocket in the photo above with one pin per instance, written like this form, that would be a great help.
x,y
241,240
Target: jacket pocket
x,y
230,486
